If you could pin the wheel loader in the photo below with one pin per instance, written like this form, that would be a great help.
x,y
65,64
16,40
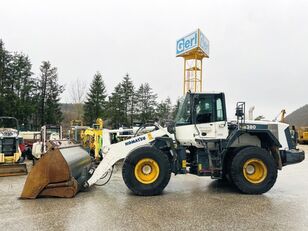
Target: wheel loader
x,y
201,141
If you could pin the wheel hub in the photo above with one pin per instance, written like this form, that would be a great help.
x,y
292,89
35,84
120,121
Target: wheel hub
x,y
146,171
254,171
250,169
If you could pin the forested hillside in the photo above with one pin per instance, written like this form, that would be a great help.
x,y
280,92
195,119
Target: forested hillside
x,y
299,117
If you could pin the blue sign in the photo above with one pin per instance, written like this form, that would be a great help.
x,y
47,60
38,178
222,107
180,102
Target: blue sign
x,y
187,43
204,43
192,41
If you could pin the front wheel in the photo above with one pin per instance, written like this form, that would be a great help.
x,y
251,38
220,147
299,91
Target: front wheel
x,y
146,171
253,170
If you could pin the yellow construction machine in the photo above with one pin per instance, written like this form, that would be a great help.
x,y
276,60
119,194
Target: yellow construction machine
x,y
92,139
76,131
10,153
303,135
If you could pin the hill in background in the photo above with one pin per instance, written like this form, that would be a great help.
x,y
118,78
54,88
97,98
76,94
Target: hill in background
x,y
299,117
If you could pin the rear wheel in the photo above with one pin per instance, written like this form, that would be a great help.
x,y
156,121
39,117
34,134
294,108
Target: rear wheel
x,y
146,171
253,170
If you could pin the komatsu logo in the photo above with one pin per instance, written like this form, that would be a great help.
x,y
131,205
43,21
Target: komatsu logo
x,y
139,139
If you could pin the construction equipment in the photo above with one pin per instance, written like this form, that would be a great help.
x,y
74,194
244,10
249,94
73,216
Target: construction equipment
x,y
49,136
76,130
76,133
200,141
92,139
10,153
302,135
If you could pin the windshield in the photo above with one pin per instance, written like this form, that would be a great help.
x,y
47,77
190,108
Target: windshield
x,y
183,116
53,130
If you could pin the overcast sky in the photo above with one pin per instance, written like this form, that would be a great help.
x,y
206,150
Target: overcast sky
x,y
258,49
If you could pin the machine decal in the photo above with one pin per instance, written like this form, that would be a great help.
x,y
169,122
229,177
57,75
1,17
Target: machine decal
x,y
139,139
150,137
254,126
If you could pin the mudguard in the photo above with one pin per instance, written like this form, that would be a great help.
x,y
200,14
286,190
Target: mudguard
x,y
267,138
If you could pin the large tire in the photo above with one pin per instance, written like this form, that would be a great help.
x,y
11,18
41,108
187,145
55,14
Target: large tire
x,y
146,171
227,164
253,170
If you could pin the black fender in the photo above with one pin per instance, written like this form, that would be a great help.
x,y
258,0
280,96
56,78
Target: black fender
x,y
267,138
268,141
166,145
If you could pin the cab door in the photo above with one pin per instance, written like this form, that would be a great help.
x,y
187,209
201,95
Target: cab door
x,y
204,116
210,118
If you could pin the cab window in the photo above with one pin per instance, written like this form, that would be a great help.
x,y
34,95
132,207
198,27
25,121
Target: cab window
x,y
183,116
204,110
219,110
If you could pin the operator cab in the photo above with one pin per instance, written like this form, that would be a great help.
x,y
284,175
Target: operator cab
x,y
201,116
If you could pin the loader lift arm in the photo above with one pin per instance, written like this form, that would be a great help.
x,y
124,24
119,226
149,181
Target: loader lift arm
x,y
119,151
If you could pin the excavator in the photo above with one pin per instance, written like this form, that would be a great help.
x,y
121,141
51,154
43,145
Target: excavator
x,y
91,139
200,141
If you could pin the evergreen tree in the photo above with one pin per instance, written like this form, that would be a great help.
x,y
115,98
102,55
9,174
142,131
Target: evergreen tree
x,y
116,107
4,60
128,99
95,105
146,103
175,109
49,95
164,111
23,106
121,106
16,86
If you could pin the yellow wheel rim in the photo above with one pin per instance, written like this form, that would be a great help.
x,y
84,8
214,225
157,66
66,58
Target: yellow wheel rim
x,y
255,171
146,171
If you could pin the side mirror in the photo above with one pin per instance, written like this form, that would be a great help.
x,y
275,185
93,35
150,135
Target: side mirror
x,y
170,127
239,112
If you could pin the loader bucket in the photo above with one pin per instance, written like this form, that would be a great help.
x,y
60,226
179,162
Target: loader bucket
x,y
13,169
58,173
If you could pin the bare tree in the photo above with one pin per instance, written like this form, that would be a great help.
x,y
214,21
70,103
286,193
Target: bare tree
x,y
78,95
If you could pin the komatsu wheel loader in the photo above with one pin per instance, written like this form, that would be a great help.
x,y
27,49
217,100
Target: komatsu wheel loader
x,y
200,141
